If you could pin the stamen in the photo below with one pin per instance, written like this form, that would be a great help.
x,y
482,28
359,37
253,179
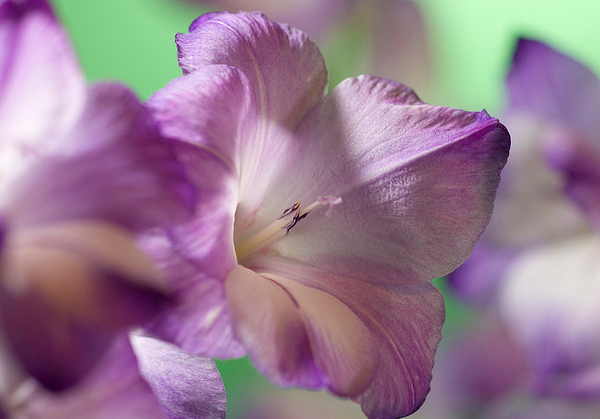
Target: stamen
x,y
282,226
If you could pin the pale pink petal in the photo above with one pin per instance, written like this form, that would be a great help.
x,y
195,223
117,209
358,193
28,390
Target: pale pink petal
x,y
300,335
404,322
417,183
267,320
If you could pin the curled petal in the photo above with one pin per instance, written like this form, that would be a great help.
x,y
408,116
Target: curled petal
x,y
285,84
404,324
279,88
187,386
300,335
417,183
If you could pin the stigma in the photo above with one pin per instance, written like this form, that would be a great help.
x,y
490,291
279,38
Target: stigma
x,y
282,226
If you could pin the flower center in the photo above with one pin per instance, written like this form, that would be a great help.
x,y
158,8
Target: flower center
x,y
281,226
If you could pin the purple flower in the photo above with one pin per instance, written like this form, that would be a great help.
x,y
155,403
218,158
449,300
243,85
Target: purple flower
x,y
144,378
544,227
483,374
83,169
323,218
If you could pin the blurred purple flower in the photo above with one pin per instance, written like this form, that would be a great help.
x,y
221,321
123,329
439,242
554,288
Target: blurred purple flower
x,y
144,378
82,169
323,218
483,374
537,261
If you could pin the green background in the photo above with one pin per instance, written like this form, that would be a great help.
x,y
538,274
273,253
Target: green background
x,y
471,40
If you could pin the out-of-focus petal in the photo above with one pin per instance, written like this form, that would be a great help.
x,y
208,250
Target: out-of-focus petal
x,y
477,280
404,322
187,386
530,206
417,183
550,302
42,89
114,389
57,285
93,265
311,16
111,161
475,370
400,46
57,351
550,85
578,160
520,407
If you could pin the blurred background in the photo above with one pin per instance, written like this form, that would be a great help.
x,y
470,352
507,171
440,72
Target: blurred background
x,y
454,53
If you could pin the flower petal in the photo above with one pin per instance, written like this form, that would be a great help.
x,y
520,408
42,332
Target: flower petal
x,y
417,183
187,386
196,258
577,159
56,318
282,87
285,69
267,320
42,89
132,168
550,85
399,45
114,389
549,300
300,335
198,321
478,279
404,324
530,206
57,351
475,370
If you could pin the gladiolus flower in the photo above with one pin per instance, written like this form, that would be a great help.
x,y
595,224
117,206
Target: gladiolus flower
x,y
323,219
